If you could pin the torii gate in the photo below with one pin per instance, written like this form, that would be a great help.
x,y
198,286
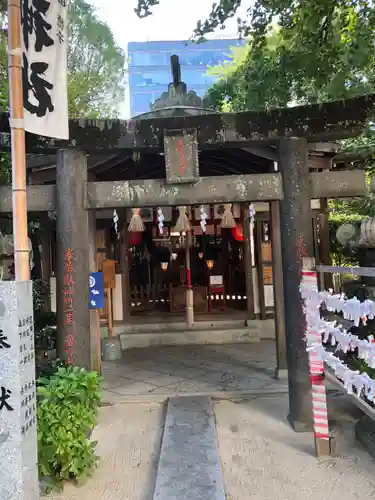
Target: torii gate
x,y
289,191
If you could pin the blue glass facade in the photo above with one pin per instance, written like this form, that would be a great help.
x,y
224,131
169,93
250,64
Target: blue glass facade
x,y
150,70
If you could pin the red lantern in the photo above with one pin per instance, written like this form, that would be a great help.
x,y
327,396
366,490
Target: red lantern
x,y
134,238
237,232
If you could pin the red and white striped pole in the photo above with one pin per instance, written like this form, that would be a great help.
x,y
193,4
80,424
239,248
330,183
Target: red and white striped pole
x,y
316,367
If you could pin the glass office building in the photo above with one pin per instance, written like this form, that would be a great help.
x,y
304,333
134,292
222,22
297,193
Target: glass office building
x,y
150,69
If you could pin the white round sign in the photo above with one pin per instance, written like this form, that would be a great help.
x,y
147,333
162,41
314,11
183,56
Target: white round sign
x,y
92,281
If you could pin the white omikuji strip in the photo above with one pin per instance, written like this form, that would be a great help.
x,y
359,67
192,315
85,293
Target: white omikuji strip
x,y
316,365
354,382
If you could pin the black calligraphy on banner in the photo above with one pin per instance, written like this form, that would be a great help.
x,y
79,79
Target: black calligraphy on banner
x,y
5,394
33,20
37,86
4,341
60,28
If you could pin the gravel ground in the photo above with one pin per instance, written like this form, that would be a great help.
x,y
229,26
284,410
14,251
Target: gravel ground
x,y
129,439
264,459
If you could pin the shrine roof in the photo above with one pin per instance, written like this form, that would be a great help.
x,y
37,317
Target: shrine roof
x,y
318,122
136,166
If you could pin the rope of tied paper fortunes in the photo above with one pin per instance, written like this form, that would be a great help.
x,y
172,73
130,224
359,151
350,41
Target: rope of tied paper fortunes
x,y
338,337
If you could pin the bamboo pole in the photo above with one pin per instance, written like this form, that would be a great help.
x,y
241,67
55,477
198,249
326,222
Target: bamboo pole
x,y
17,127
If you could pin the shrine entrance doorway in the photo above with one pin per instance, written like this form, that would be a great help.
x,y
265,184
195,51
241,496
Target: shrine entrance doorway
x,y
158,265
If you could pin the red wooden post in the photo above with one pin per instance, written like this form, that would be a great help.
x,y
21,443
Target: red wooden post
x,y
316,367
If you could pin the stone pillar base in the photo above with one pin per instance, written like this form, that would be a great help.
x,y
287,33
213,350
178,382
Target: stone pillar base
x,y
300,426
281,374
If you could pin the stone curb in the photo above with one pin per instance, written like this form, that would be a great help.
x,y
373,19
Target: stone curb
x,y
364,431
162,398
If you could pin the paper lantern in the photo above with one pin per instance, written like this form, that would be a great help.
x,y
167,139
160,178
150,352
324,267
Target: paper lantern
x,y
134,238
237,232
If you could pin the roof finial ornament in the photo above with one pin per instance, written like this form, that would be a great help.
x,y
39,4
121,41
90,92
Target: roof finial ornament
x,y
176,70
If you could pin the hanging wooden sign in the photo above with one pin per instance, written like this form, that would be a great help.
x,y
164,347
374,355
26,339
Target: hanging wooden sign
x,y
267,275
181,156
267,252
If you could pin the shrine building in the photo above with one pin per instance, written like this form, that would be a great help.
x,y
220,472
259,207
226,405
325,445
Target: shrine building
x,y
195,218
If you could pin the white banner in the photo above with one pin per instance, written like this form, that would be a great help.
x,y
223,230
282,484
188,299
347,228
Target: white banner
x,y
44,71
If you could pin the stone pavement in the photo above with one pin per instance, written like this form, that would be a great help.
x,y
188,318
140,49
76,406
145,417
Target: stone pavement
x,y
157,373
264,459
189,465
261,456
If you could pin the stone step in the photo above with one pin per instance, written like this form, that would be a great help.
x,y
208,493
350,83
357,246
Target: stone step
x,y
189,466
179,326
214,336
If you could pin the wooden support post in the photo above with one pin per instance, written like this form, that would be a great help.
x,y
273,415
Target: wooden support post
x,y
324,444
278,290
95,339
109,276
110,311
16,122
248,261
296,243
125,281
72,252
262,300
189,289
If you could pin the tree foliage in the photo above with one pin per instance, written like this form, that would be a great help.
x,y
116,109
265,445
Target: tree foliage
x,y
96,64
298,52
301,51
96,69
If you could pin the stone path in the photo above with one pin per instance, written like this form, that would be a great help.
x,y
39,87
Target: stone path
x,y
157,373
189,465
264,459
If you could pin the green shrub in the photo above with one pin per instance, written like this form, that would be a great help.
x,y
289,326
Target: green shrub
x,y
67,410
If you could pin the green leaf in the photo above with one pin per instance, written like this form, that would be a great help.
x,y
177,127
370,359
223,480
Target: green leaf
x,y
67,411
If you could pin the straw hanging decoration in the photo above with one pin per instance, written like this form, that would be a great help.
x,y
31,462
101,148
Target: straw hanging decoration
x,y
228,220
183,223
136,223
